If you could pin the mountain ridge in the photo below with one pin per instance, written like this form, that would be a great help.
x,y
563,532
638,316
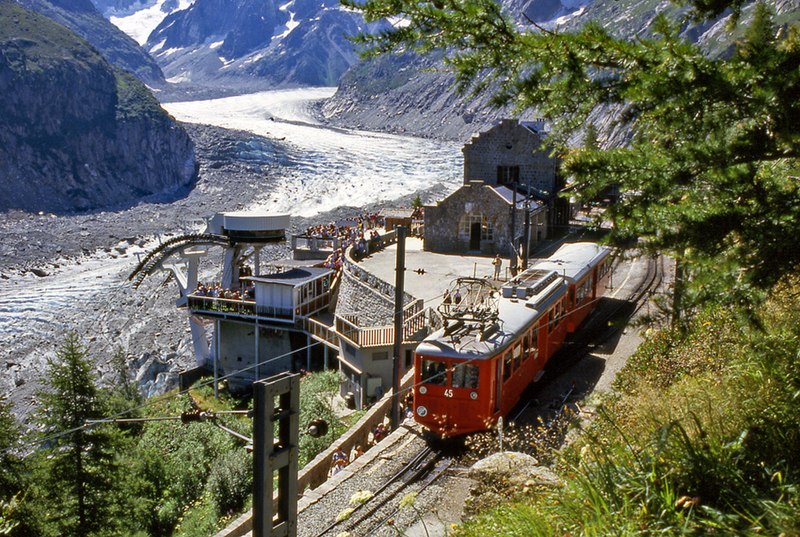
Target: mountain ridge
x,y
118,48
76,133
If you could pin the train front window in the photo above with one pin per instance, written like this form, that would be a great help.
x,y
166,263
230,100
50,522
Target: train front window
x,y
465,376
434,372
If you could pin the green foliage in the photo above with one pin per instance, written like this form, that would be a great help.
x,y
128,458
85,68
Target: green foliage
x,y
77,466
7,522
151,478
36,43
700,437
199,519
231,481
170,467
10,464
316,402
135,100
710,172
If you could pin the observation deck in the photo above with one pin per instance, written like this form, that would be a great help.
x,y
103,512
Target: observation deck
x,y
283,297
249,227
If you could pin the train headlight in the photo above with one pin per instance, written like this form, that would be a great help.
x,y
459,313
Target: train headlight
x,y
423,390
422,411
473,395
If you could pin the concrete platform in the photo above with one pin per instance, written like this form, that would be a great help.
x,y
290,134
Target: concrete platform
x,y
439,269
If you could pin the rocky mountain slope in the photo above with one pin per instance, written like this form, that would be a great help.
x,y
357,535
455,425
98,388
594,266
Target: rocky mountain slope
x,y
75,132
416,95
225,42
408,94
84,19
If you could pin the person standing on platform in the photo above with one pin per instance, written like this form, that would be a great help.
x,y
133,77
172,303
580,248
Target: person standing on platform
x,y
498,266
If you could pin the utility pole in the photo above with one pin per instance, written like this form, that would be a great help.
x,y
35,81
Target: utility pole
x,y
276,401
527,235
398,323
513,261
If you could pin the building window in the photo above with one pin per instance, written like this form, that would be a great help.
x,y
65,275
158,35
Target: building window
x,y
507,175
468,224
382,355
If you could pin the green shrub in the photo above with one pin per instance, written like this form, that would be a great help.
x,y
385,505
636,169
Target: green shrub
x,y
231,480
699,437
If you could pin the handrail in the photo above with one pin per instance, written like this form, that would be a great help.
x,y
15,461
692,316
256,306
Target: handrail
x,y
240,307
414,322
222,305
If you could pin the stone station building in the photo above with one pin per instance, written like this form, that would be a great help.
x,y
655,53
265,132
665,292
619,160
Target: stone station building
x,y
507,173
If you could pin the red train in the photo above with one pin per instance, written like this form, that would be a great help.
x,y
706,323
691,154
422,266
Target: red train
x,y
495,343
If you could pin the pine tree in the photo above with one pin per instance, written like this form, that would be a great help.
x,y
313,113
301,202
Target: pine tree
x,y
79,459
709,174
9,444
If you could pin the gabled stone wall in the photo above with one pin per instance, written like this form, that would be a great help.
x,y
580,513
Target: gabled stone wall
x,y
510,144
443,231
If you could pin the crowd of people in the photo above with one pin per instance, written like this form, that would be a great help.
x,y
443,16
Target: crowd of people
x,y
364,246
335,260
361,235
360,224
215,290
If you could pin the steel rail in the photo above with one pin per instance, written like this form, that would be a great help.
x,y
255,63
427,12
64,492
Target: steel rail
x,y
593,335
413,466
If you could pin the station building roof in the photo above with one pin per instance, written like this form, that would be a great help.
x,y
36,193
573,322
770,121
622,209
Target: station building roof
x,y
293,277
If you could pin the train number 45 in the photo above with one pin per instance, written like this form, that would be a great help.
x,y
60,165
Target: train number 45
x,y
448,393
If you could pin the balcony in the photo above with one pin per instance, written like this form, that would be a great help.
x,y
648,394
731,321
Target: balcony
x,y
245,308
414,328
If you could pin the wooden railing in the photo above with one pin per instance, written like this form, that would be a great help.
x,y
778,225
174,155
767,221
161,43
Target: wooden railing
x,y
275,312
322,332
238,307
314,305
414,328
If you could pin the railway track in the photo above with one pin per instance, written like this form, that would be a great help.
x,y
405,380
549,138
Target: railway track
x,y
544,414
369,517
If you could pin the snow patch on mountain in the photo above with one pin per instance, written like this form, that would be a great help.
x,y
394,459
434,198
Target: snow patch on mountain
x,y
139,22
551,14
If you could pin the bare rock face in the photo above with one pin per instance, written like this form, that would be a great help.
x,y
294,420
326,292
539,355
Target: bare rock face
x,y
247,43
409,94
519,469
84,19
76,133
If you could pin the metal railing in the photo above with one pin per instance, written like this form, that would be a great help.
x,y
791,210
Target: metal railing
x,y
222,305
237,307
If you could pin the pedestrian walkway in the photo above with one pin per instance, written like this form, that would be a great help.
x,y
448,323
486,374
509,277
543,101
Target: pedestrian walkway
x,y
427,274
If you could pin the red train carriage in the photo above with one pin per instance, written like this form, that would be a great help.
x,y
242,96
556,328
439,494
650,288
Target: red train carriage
x,y
586,267
495,343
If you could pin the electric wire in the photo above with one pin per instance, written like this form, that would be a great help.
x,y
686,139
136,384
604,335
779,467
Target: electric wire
x,y
167,397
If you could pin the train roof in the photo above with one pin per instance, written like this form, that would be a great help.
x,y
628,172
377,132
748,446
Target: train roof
x,y
522,301
476,341
574,260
